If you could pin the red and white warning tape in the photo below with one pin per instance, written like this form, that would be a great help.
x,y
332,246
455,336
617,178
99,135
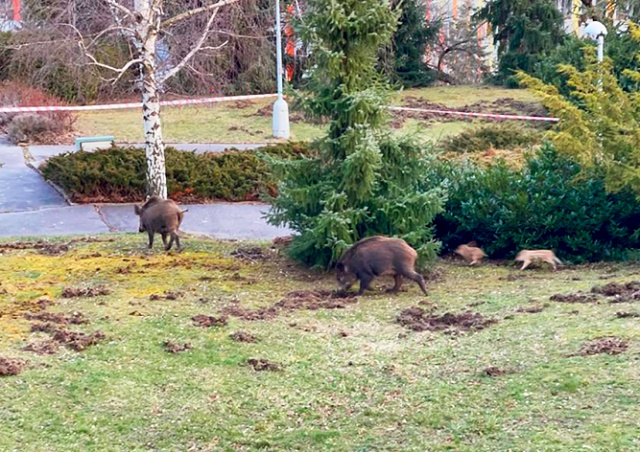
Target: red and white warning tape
x,y
210,100
207,100
477,115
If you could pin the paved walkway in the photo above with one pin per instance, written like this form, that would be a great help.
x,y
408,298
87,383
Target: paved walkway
x,y
29,206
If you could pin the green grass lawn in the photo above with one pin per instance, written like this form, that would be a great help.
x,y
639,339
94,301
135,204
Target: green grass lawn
x,y
350,379
251,121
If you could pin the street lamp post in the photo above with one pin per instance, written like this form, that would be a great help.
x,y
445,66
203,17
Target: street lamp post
x,y
597,30
280,107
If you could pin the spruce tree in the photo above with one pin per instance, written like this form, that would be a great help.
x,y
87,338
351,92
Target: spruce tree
x,y
524,30
359,181
410,42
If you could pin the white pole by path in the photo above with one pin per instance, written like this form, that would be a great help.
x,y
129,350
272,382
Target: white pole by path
x,y
280,107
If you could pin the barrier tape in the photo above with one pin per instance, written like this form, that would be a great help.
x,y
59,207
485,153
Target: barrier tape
x,y
206,100
477,115
209,100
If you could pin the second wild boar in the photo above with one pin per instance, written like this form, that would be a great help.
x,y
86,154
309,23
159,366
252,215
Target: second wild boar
x,y
375,256
163,216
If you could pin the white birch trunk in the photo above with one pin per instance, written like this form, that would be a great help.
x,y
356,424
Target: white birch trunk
x,y
148,22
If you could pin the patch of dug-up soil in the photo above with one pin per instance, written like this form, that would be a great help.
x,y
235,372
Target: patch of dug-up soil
x,y
168,295
261,364
242,336
531,309
627,315
48,347
252,254
299,299
50,249
74,292
75,340
173,347
505,105
11,366
610,345
620,292
207,321
494,372
77,318
577,297
417,319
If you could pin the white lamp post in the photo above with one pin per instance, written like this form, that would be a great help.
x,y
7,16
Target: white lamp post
x,y
596,30
280,107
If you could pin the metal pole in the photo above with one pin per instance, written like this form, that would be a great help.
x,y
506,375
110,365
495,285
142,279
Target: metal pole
x,y
600,48
280,107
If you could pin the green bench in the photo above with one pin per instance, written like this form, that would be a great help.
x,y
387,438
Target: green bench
x,y
99,142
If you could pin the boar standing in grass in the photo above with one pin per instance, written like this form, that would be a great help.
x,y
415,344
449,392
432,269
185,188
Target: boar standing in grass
x,y
471,254
529,256
375,256
162,216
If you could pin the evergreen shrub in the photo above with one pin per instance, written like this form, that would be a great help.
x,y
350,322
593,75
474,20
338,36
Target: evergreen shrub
x,y
118,174
548,204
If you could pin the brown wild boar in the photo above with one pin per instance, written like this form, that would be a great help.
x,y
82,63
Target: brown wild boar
x,y
529,256
471,254
162,216
375,256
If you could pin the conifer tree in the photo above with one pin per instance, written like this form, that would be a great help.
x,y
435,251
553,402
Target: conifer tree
x,y
524,30
359,181
599,122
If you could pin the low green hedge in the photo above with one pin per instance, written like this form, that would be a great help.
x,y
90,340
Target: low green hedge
x,y
118,174
540,206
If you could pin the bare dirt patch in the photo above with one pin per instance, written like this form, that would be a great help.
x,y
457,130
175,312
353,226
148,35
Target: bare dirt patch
x,y
207,321
254,253
297,300
261,364
532,309
77,340
620,292
627,315
611,345
75,292
51,249
47,347
10,366
577,297
417,319
494,372
242,336
314,300
173,347
77,318
168,295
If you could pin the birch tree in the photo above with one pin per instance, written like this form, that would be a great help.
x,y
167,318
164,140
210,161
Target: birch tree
x,y
143,23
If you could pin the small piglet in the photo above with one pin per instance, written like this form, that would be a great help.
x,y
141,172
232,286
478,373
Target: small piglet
x,y
162,216
375,256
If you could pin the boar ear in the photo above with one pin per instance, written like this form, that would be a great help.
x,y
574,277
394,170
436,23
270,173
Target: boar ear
x,y
137,209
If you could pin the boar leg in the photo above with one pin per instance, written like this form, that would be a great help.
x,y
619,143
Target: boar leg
x,y
177,238
151,234
365,280
164,240
415,276
525,264
398,278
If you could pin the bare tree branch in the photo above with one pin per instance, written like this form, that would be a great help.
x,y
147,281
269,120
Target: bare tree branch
x,y
194,49
124,9
187,14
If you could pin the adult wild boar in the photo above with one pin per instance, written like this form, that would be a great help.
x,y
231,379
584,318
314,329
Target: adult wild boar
x,y
162,216
375,256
